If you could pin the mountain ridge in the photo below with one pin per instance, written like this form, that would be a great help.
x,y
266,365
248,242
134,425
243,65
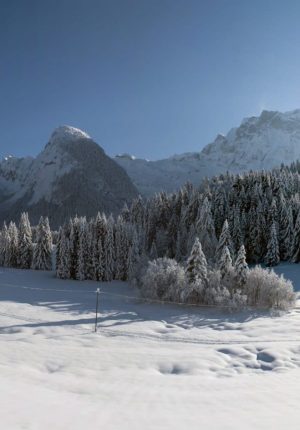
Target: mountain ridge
x,y
259,142
71,175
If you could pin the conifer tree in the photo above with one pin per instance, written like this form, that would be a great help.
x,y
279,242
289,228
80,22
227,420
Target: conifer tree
x,y
83,250
196,267
272,257
224,241
12,243
225,263
153,252
25,249
42,254
62,268
109,253
205,230
241,266
285,232
296,241
133,256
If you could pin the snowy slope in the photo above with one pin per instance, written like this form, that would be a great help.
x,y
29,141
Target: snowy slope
x,y
149,366
72,175
258,143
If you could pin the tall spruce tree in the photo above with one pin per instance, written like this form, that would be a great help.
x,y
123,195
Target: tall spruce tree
x,y
241,267
25,243
272,257
224,241
42,254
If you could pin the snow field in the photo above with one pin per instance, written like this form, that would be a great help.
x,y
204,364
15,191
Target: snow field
x,y
149,366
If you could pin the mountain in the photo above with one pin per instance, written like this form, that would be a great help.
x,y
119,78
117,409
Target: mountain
x,y
261,142
72,175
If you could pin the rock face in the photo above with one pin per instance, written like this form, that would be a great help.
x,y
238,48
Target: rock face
x,y
72,175
258,143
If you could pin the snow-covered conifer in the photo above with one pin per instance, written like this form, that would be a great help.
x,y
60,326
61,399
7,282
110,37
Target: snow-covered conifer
x,y
225,263
42,254
205,230
272,257
241,266
196,267
224,241
25,243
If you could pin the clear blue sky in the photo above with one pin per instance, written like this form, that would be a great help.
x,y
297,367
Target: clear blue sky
x,y
147,77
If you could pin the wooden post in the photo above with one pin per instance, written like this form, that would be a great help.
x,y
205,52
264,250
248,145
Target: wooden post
x,y
97,301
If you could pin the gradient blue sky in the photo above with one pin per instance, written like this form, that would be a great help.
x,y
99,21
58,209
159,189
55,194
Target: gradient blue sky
x,y
147,77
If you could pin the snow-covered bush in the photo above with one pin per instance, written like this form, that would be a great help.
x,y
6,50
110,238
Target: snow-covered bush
x,y
164,279
264,288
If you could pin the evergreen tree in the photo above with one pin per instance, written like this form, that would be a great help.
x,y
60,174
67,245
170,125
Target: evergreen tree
x,y
133,256
205,230
153,252
109,253
196,267
62,268
25,243
285,232
12,245
225,264
272,258
241,266
224,241
296,241
83,250
42,254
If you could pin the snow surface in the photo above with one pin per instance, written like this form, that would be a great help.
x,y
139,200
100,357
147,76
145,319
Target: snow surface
x,y
149,366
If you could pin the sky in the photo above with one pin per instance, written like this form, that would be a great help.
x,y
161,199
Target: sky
x,y
147,77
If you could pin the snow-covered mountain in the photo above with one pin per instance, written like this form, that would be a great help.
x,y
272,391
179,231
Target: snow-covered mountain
x,y
258,143
72,175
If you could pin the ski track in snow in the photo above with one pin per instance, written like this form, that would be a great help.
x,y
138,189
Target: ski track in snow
x,y
148,366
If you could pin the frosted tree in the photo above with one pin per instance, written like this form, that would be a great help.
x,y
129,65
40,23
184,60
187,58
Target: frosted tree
x,y
224,241
285,232
272,257
42,254
5,243
62,268
237,236
13,244
133,257
296,241
109,253
99,230
153,252
25,243
74,226
196,267
241,267
225,263
122,243
205,230
83,251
